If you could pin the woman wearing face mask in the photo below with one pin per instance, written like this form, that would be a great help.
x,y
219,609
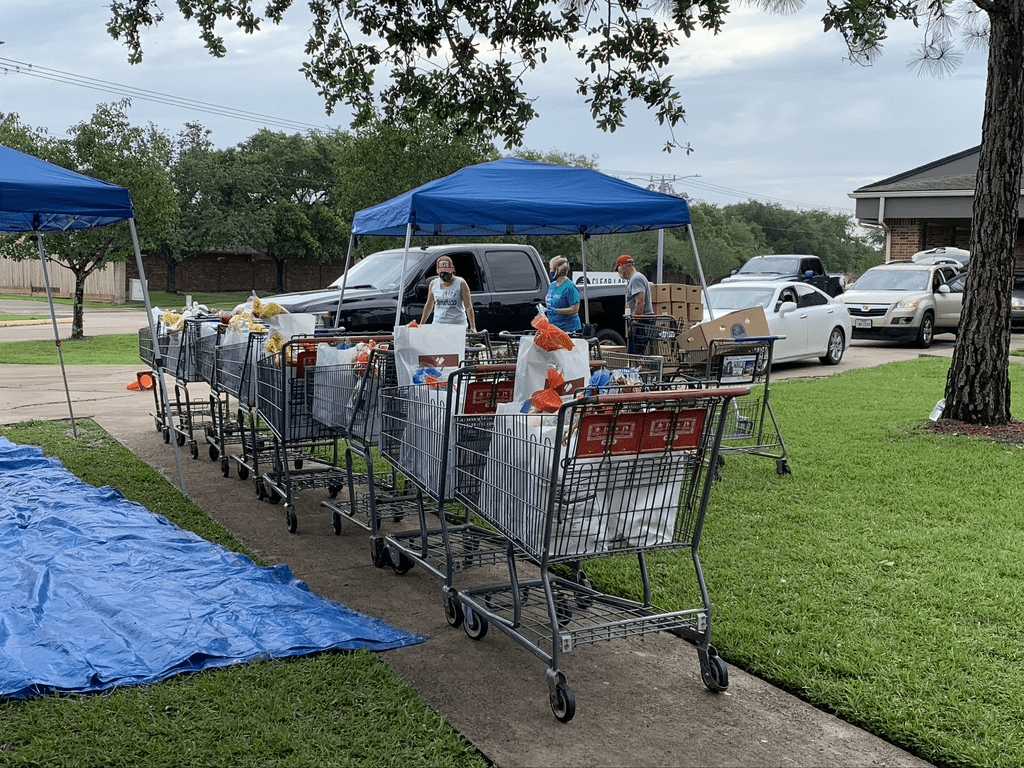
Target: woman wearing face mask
x,y
563,299
449,298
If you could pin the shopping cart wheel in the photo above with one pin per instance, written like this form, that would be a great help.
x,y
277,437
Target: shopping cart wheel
x,y
261,489
379,553
214,452
400,562
582,600
194,450
714,672
474,625
562,699
336,523
332,490
782,467
181,440
453,610
167,435
273,496
243,472
225,466
157,424
291,518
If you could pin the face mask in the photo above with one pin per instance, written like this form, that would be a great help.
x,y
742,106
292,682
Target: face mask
x,y
445,276
552,275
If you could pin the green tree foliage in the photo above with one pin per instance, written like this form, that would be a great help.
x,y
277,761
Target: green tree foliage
x,y
108,147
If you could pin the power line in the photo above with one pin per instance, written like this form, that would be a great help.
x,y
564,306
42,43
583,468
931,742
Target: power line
x,y
15,66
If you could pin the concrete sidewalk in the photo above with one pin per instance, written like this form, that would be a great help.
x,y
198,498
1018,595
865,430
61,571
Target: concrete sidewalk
x,y
639,703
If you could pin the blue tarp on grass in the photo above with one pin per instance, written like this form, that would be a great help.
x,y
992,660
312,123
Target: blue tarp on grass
x,y
97,592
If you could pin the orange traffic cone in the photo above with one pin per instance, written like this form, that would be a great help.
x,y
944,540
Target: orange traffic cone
x,y
143,381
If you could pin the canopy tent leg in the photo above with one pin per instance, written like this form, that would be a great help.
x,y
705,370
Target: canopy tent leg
x,y
661,256
156,351
401,282
344,280
700,270
583,259
56,332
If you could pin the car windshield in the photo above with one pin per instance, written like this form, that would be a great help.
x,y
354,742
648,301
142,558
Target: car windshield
x,y
894,280
771,265
381,270
730,298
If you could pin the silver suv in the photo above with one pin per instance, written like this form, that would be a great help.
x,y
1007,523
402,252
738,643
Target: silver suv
x,y
904,301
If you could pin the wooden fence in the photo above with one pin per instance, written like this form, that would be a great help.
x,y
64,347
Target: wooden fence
x,y
105,284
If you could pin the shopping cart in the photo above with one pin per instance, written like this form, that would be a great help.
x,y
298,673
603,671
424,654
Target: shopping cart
x,y
655,335
751,425
185,362
417,440
148,354
235,375
305,451
608,475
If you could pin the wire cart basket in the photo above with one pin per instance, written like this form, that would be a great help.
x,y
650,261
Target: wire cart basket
x,y
417,438
751,425
148,355
626,473
304,451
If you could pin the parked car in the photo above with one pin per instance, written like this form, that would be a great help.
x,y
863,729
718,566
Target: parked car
x,y
508,281
1017,303
813,323
808,269
943,255
904,301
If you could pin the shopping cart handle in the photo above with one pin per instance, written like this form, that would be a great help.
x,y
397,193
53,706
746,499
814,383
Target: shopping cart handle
x,y
492,368
669,395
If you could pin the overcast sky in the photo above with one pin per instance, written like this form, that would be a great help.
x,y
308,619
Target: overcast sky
x,y
773,109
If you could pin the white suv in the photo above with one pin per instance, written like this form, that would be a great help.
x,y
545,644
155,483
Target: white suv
x,y
904,301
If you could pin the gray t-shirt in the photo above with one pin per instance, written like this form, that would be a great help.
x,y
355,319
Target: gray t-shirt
x,y
639,284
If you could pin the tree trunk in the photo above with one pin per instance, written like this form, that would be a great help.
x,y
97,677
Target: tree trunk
x,y
978,385
172,274
279,263
77,321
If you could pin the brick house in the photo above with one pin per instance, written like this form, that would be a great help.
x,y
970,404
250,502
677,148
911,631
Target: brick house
x,y
926,207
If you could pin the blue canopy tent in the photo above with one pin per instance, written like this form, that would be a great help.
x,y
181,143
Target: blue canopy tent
x,y
513,197
38,197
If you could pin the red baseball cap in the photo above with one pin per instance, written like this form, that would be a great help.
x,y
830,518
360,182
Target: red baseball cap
x,y
623,260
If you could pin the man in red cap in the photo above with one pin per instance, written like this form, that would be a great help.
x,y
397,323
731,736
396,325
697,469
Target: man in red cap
x,y
638,303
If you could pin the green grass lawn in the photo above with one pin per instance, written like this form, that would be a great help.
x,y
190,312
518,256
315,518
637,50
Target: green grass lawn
x,y
5,317
224,301
331,709
120,349
883,580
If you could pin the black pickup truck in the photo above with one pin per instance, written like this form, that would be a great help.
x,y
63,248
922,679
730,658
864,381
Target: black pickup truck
x,y
507,281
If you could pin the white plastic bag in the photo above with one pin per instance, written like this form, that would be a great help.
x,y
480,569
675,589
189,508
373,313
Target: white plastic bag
x,y
293,325
533,364
334,384
428,346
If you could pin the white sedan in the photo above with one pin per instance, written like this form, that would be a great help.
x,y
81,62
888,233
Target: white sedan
x,y
813,323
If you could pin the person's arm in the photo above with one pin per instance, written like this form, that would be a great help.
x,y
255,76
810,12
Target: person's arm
x,y
638,302
467,302
429,306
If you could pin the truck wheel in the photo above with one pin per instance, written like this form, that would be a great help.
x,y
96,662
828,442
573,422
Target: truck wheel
x,y
611,338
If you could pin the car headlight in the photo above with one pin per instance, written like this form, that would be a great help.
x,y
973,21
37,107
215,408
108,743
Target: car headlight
x,y
910,304
1017,303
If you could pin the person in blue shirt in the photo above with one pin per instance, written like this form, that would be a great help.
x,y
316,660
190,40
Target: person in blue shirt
x,y
563,301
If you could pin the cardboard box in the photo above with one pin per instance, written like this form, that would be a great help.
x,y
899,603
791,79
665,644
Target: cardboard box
x,y
662,294
695,313
679,294
694,295
736,325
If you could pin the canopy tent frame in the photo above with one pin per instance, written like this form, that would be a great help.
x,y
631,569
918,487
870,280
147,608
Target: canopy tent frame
x,y
502,198
37,197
